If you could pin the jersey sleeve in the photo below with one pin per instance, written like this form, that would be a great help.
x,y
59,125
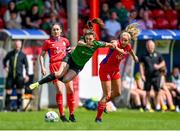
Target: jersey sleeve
x,y
45,46
99,43
68,47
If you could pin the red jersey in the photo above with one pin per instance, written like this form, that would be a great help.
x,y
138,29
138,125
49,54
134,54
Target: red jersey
x,y
113,58
56,48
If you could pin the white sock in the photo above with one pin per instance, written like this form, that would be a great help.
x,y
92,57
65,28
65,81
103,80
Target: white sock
x,y
158,107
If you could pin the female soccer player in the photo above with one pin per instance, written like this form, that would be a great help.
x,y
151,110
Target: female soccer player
x,y
109,68
57,47
74,62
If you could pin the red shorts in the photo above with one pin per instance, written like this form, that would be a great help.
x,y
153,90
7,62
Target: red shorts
x,y
107,74
53,68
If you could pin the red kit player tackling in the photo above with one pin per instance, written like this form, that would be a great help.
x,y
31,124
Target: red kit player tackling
x,y
109,68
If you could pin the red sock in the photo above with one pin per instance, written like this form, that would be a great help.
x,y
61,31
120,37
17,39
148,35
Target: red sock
x,y
70,102
59,100
100,110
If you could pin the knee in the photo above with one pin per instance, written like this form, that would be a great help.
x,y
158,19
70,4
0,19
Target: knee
x,y
105,98
19,91
65,80
69,88
134,95
144,95
8,91
57,74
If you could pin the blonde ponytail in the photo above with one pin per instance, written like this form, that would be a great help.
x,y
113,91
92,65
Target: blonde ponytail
x,y
133,30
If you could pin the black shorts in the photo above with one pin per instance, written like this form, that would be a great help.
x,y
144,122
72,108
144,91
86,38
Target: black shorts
x,y
18,82
152,82
72,65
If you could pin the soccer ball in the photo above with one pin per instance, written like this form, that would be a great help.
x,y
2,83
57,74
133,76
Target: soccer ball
x,y
51,116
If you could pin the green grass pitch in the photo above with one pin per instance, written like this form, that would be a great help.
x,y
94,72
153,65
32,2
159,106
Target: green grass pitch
x,y
122,119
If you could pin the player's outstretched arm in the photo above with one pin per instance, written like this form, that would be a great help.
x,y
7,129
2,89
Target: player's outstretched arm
x,y
113,44
81,43
134,56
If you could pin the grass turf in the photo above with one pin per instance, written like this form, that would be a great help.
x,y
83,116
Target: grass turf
x,y
122,119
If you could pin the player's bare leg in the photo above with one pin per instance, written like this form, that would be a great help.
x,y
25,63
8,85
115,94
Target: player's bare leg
x,y
59,100
70,75
106,87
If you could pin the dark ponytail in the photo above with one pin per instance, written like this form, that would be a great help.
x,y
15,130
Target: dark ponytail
x,y
95,21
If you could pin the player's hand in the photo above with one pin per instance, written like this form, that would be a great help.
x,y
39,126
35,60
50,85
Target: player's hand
x,y
114,44
43,71
6,69
156,66
143,78
81,43
26,78
89,44
136,59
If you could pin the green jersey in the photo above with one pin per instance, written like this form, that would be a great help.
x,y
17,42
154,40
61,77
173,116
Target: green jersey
x,y
82,54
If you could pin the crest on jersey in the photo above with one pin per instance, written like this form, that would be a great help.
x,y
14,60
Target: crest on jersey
x,y
64,44
155,54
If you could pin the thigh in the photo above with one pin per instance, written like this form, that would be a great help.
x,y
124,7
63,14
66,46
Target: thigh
x,y
59,86
104,75
147,84
62,70
19,82
9,83
106,88
141,92
115,75
69,87
70,75
133,94
156,83
55,67
116,85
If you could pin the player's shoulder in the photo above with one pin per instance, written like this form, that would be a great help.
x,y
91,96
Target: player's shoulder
x,y
64,39
22,53
47,41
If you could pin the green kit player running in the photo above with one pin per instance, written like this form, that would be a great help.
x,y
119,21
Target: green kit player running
x,y
74,62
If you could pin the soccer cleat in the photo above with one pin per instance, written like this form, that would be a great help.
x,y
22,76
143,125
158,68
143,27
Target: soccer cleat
x,y
34,85
172,108
64,119
177,108
141,109
72,118
148,110
105,111
151,110
164,108
98,120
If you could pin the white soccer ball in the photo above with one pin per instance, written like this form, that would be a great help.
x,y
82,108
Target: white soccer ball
x,y
51,116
